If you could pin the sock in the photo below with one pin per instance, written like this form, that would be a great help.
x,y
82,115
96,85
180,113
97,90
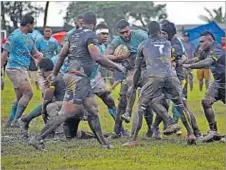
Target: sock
x,y
176,113
33,114
112,112
13,112
19,111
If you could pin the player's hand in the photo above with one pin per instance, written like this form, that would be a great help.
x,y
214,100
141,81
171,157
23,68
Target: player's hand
x,y
51,77
186,65
38,56
121,68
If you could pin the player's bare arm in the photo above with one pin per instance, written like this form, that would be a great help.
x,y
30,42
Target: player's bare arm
x,y
201,64
96,55
4,57
63,54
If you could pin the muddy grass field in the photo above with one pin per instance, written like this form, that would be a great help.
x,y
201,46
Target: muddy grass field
x,y
169,153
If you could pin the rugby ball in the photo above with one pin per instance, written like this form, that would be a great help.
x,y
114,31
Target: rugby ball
x,y
122,51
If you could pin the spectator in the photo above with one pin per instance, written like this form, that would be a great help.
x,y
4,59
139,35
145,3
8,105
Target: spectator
x,y
190,51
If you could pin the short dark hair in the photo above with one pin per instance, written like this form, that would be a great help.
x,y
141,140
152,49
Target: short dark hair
x,y
153,28
79,17
102,25
47,27
206,33
46,64
89,18
26,19
122,24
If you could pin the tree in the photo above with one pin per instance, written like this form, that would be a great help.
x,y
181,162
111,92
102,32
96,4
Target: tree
x,y
15,10
46,13
215,15
111,12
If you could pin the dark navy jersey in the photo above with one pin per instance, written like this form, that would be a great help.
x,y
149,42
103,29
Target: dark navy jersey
x,y
217,53
80,58
157,56
178,51
60,87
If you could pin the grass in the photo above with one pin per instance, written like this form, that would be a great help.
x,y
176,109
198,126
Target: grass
x,y
171,153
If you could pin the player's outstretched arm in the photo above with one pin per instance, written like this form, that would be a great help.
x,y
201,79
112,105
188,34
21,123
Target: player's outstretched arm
x,y
63,54
138,63
96,55
201,64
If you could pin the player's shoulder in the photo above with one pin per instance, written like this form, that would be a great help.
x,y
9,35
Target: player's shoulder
x,y
16,33
52,39
40,39
117,40
70,31
216,49
139,33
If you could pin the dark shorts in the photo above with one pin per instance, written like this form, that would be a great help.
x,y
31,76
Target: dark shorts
x,y
118,76
215,92
156,86
77,88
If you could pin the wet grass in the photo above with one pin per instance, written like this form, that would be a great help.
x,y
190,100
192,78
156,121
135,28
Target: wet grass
x,y
171,153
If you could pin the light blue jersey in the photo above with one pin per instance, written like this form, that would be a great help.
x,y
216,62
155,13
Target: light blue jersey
x,y
137,36
66,36
49,48
63,67
20,47
36,35
95,70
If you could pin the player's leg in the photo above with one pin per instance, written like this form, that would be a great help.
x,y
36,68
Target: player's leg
x,y
25,120
194,124
200,78
13,107
190,80
121,109
175,90
94,122
69,109
22,84
148,115
214,93
207,77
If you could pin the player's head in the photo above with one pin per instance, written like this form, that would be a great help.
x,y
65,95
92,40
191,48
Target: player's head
x,y
90,20
102,32
186,36
154,29
78,21
46,67
168,29
123,29
27,21
47,32
206,40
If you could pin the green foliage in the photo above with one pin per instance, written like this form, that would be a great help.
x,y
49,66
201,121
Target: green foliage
x,y
111,12
171,153
215,15
15,9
